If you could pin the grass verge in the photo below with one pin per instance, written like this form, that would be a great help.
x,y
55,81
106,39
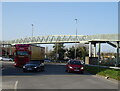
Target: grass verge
x,y
112,73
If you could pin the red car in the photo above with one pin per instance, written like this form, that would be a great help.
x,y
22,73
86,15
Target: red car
x,y
74,66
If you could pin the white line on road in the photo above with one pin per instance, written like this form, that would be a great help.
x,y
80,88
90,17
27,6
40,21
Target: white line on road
x,y
15,87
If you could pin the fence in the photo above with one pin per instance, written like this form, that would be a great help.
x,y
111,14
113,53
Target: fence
x,y
109,61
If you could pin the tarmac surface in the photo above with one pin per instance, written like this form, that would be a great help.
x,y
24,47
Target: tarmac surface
x,y
54,77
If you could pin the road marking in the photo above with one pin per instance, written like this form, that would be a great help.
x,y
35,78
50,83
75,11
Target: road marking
x,y
15,87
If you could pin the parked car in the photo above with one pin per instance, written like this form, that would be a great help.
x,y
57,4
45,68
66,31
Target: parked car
x,y
36,66
74,66
47,60
5,59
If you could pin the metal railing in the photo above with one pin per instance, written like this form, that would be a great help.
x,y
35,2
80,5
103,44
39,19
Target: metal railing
x,y
63,39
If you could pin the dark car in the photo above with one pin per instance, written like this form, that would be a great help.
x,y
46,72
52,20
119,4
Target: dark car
x,y
36,66
47,60
75,66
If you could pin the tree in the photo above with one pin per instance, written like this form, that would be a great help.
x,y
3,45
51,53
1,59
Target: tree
x,y
50,55
84,52
59,50
81,52
71,52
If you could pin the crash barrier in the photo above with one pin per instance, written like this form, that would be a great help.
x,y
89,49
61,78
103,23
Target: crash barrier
x,y
104,61
103,66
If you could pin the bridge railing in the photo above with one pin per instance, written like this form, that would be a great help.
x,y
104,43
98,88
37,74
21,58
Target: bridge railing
x,y
63,39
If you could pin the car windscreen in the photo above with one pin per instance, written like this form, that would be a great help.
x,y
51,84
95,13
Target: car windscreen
x,y
75,62
34,62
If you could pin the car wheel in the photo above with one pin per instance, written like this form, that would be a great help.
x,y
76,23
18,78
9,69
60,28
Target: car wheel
x,y
68,71
82,72
42,68
38,70
24,70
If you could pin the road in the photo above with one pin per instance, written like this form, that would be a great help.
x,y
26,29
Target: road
x,y
54,77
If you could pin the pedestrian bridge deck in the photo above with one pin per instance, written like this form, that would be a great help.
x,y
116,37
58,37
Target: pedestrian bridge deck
x,y
65,39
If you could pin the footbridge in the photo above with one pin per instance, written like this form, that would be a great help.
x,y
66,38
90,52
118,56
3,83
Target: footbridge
x,y
51,39
111,39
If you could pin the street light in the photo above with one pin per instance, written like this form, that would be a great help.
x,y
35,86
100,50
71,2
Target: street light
x,y
32,31
76,38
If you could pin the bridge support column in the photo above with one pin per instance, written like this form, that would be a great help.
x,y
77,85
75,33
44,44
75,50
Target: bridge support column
x,y
94,49
90,49
10,51
0,50
117,57
99,48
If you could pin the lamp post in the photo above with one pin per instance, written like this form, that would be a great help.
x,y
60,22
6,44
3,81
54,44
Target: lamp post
x,y
32,31
76,39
